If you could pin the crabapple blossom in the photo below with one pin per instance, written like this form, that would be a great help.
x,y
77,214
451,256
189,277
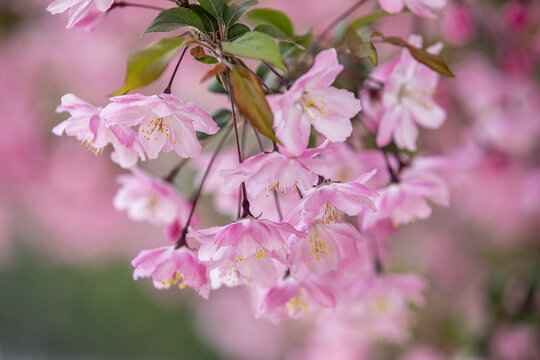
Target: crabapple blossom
x,y
406,100
294,299
326,248
277,171
313,101
406,201
169,266
165,122
246,249
82,13
146,198
327,202
421,8
86,124
378,307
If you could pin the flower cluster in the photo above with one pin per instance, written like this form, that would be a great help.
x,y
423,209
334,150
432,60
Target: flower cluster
x,y
312,206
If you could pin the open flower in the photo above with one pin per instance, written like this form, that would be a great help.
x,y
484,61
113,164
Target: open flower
x,y
165,122
407,201
276,171
146,198
313,101
407,100
324,249
86,124
82,13
246,249
328,202
293,298
419,7
169,266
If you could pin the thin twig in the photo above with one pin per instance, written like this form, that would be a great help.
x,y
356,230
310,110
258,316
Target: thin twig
x,y
284,81
169,86
175,170
182,240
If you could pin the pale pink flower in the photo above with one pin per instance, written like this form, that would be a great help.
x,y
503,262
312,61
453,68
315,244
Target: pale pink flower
x,y
325,249
407,100
421,8
327,202
294,299
82,13
457,25
276,171
407,201
84,123
147,198
87,126
245,250
378,307
165,122
515,342
169,266
313,101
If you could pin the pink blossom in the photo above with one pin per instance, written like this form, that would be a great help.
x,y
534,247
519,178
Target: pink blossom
x,y
379,307
457,25
325,249
407,100
515,342
147,198
169,266
82,13
245,250
419,7
406,201
276,171
88,127
291,298
313,101
327,202
165,122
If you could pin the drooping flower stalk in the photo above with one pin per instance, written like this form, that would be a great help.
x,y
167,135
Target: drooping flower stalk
x,y
182,240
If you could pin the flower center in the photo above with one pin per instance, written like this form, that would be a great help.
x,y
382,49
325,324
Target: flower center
x,y
315,108
175,279
297,304
420,96
330,214
159,125
318,247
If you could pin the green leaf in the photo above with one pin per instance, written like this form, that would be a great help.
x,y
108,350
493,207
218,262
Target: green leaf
x,y
210,60
146,65
236,31
232,13
366,20
359,43
221,117
272,17
216,87
214,7
435,62
210,23
276,34
175,18
249,97
256,45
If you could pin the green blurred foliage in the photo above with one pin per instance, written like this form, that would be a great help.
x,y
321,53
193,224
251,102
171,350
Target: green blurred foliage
x,y
59,311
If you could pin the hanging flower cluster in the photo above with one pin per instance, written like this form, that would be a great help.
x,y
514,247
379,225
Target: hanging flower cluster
x,y
322,169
